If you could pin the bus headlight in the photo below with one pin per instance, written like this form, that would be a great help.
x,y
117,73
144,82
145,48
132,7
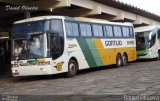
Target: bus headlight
x,y
15,65
15,72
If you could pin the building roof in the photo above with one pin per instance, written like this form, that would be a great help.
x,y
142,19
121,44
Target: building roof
x,y
129,8
9,16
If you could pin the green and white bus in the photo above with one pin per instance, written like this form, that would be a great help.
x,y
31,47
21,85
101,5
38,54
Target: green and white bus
x,y
148,42
48,45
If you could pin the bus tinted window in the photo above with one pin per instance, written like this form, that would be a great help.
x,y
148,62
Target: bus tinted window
x,y
75,29
97,30
125,32
100,30
72,29
108,31
68,28
117,31
89,30
131,32
83,30
56,26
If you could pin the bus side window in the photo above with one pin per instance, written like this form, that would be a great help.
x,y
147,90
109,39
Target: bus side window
x,y
131,32
83,29
89,30
158,33
108,31
97,30
75,29
100,30
117,31
125,31
71,29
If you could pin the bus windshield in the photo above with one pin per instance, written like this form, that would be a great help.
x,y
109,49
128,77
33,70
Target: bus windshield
x,y
22,29
32,47
30,40
142,40
145,40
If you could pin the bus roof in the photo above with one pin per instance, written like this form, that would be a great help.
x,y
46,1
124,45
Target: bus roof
x,y
146,28
38,18
94,20
83,19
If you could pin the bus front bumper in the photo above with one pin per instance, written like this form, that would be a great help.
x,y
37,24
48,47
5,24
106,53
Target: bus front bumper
x,y
32,71
148,56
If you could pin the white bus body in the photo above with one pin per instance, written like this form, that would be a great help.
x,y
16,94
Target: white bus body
x,y
148,42
58,44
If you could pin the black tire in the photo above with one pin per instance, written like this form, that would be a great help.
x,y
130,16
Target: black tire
x,y
158,58
124,60
72,68
118,61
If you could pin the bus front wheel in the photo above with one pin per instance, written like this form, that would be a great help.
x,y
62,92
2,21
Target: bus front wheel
x,y
72,68
118,61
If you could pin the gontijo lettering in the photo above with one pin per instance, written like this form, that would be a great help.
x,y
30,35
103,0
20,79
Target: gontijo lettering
x,y
113,43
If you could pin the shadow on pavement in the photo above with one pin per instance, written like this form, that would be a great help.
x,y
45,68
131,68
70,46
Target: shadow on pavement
x,y
145,60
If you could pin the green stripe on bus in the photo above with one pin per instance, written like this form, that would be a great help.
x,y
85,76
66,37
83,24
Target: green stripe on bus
x,y
140,52
94,52
87,52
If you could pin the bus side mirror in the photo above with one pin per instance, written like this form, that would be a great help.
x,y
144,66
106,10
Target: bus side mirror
x,y
158,33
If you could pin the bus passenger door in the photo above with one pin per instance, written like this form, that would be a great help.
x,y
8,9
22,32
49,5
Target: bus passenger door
x,y
56,45
56,38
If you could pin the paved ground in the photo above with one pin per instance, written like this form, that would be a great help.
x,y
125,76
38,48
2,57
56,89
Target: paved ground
x,y
138,78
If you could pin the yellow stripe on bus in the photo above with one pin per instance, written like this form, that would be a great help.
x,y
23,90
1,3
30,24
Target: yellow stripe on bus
x,y
108,55
102,51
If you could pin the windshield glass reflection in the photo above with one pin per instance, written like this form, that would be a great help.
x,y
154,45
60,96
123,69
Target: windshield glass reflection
x,y
34,46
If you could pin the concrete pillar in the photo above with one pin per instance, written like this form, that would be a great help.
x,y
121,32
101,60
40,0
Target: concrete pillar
x,y
138,20
120,16
152,23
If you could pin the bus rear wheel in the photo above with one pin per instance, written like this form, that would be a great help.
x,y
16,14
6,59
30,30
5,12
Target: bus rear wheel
x,y
72,68
124,60
158,55
118,61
